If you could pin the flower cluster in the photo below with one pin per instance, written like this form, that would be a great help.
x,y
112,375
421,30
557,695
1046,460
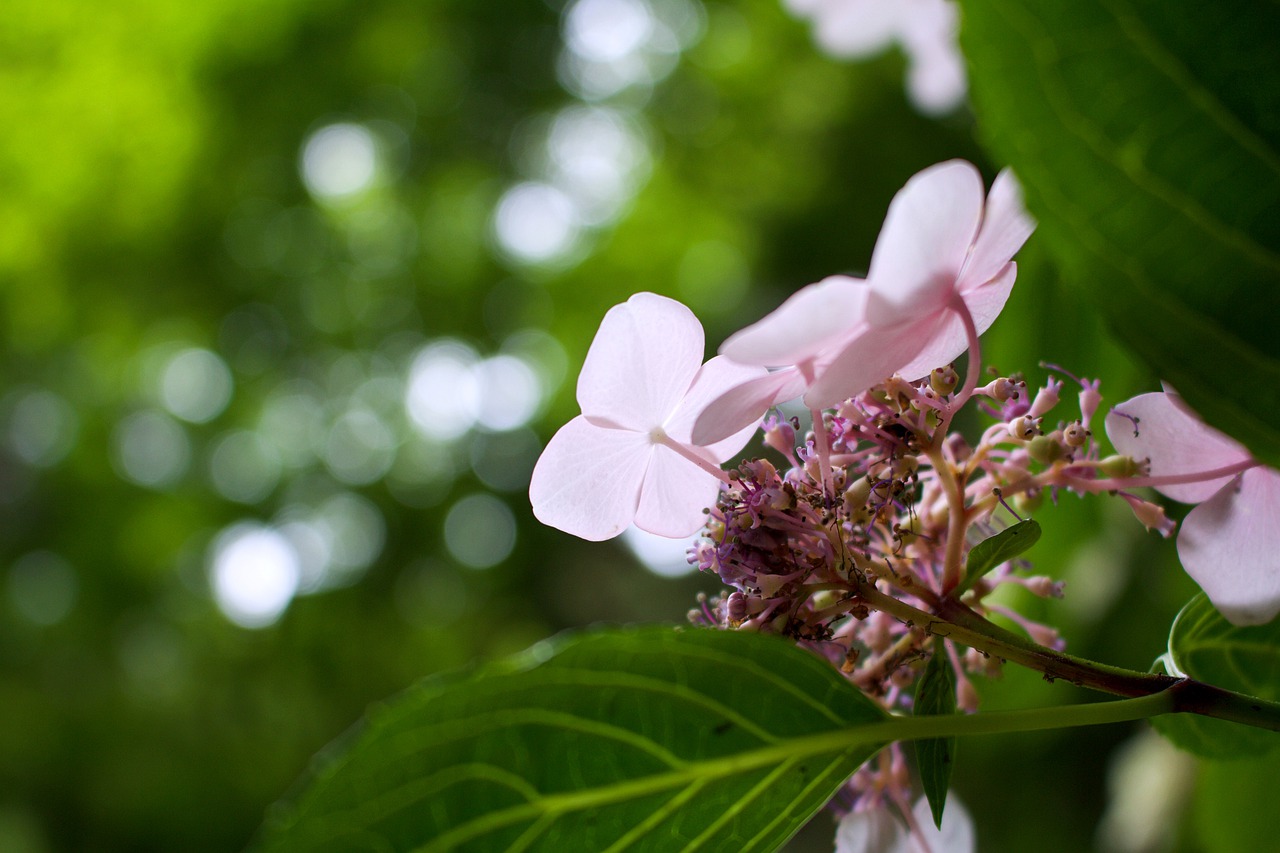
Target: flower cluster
x,y
868,517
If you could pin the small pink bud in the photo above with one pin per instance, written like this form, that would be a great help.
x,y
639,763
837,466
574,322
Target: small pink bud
x,y
781,436
1151,515
1045,587
1046,636
967,699
1090,399
1046,398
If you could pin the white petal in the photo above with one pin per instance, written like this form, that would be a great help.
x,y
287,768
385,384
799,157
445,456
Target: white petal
x,y
715,378
674,495
1005,227
813,319
1176,442
949,339
936,77
872,831
641,362
956,835
1229,545
871,358
744,405
587,481
931,224
856,28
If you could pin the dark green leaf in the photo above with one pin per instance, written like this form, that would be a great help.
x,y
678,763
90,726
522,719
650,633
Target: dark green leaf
x,y
636,739
1147,136
1205,646
1002,547
1235,805
936,694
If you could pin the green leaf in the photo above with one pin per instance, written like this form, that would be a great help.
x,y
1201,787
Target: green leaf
x,y
635,739
1235,805
935,758
1146,134
1206,647
994,550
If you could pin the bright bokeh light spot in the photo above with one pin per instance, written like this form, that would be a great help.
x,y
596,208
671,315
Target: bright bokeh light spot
x,y
536,222
360,448
196,385
254,572
510,392
42,587
244,467
338,161
442,396
597,158
480,531
607,30
151,449
335,542
660,555
42,428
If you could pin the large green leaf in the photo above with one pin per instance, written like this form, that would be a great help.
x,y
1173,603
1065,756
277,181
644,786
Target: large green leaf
x,y
637,739
1147,136
1205,646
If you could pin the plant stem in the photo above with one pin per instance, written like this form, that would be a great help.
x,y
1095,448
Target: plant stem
x,y
957,622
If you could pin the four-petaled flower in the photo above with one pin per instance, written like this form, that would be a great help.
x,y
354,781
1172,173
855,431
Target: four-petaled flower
x,y
628,457
942,259
1229,543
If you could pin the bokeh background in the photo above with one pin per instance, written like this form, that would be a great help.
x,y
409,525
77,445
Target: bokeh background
x,y
291,296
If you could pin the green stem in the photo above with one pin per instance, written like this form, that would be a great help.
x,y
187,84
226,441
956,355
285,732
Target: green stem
x,y
956,622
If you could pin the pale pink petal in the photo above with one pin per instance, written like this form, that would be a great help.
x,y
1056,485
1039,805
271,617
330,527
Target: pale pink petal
x,y
674,495
800,329
641,362
873,357
587,481
949,339
871,831
1005,227
1175,441
955,836
715,378
931,223
1230,545
741,407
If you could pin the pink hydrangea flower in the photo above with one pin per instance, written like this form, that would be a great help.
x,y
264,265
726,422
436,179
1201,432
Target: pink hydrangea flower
x,y
629,456
941,254
925,29
876,831
1229,542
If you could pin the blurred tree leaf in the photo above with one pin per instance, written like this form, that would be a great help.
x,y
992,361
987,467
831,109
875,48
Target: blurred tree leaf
x,y
1146,136
609,739
1235,805
936,694
1205,646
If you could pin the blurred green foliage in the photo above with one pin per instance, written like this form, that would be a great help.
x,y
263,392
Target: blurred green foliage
x,y
154,203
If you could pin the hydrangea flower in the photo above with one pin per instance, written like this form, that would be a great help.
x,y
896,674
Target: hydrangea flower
x,y
941,254
1229,543
926,30
876,831
629,456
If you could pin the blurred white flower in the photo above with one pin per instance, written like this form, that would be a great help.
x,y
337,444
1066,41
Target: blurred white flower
x,y
924,29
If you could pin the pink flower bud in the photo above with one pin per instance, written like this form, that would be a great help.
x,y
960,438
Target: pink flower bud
x,y
1151,515
1046,398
